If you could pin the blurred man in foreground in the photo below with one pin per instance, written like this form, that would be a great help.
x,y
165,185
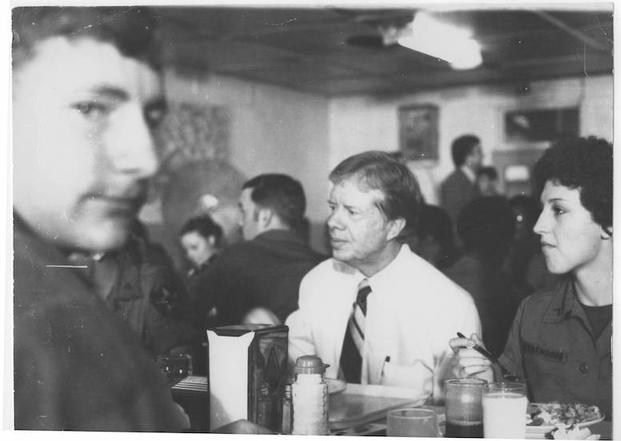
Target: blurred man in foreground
x,y
86,95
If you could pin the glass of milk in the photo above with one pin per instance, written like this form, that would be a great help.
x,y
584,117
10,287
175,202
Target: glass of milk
x,y
504,410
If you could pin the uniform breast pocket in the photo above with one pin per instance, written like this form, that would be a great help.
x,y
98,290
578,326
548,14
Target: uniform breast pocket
x,y
543,363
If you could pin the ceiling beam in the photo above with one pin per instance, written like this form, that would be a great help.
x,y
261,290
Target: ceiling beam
x,y
591,42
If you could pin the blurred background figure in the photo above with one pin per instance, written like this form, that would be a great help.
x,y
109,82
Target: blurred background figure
x,y
525,211
486,229
460,187
487,181
537,275
201,239
258,278
303,230
525,255
434,239
198,188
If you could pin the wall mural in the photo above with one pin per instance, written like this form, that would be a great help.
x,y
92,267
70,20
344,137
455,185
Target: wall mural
x,y
191,135
541,125
195,176
192,132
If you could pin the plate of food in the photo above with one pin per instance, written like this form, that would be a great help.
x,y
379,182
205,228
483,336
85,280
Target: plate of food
x,y
543,418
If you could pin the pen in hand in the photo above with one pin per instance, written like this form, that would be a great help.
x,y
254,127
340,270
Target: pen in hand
x,y
484,352
480,349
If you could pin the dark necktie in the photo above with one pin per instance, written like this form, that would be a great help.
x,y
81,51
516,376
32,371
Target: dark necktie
x,y
351,354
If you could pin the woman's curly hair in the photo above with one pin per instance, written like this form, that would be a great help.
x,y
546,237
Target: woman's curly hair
x,y
585,164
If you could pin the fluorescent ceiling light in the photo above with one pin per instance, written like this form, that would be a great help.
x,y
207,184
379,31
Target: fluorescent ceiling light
x,y
432,37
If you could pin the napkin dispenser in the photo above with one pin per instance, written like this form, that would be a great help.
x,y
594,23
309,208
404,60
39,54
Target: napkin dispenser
x,y
247,368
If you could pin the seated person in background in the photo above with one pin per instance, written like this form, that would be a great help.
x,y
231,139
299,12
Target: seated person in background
x,y
201,239
525,250
303,230
262,274
537,275
377,313
86,96
560,340
487,181
434,240
486,228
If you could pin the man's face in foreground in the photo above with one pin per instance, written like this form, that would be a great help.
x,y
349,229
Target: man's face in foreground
x,y
82,148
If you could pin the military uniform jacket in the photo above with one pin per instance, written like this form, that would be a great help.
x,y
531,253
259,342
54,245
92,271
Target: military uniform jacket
x,y
552,346
77,366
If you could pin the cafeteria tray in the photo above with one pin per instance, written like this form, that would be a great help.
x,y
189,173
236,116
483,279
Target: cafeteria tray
x,y
361,404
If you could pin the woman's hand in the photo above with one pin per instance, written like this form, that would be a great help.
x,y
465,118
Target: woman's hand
x,y
467,362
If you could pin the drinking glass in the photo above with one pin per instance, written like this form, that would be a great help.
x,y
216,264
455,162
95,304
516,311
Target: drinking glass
x,y
464,412
416,422
504,410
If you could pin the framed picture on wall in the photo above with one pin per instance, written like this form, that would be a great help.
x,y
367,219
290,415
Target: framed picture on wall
x,y
418,132
539,125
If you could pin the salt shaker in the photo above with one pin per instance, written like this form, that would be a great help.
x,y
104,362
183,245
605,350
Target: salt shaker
x,y
310,397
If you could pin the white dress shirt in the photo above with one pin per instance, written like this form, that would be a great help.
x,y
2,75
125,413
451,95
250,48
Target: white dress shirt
x,y
412,313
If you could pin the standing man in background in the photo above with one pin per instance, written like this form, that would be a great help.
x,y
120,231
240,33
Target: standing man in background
x,y
86,95
376,312
460,187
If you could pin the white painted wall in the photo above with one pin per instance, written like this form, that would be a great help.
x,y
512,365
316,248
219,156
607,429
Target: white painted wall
x,y
272,129
363,122
597,115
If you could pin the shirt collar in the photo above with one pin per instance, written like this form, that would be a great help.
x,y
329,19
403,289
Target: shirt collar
x,y
385,275
469,173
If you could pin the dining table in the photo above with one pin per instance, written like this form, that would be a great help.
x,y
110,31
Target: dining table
x,y
354,410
